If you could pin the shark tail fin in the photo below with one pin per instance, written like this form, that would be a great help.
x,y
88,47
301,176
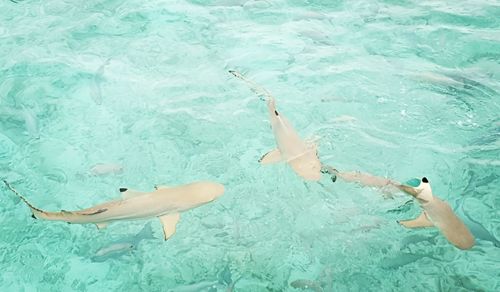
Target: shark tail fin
x,y
36,212
257,89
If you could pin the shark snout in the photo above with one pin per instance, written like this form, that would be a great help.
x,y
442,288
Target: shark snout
x,y
217,190
207,191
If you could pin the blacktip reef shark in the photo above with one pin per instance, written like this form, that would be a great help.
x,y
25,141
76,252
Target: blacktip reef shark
x,y
165,203
436,213
301,155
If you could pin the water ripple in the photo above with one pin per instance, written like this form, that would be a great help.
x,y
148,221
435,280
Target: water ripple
x,y
398,89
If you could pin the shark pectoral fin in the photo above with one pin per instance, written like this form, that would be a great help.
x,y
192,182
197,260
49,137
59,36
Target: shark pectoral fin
x,y
169,222
127,193
273,156
101,225
420,221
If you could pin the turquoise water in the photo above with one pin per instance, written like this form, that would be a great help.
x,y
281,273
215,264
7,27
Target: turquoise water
x,y
396,88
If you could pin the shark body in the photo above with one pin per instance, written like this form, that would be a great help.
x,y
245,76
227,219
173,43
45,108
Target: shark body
x,y
165,203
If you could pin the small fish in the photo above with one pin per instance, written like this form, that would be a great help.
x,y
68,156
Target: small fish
x,y
106,168
30,121
476,228
417,238
435,78
95,85
305,284
230,286
344,119
405,207
114,248
224,283
225,276
402,259
367,228
123,246
197,287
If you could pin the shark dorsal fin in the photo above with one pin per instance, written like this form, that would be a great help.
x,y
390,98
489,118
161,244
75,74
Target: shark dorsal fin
x,y
128,193
64,212
160,187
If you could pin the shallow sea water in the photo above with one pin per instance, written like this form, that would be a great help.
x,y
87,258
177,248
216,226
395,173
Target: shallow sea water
x,y
396,88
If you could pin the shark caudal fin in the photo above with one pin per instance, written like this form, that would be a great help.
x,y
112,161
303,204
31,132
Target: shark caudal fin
x,y
257,89
36,213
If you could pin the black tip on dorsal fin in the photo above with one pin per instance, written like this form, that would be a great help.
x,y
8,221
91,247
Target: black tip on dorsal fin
x,y
122,190
33,216
276,113
425,180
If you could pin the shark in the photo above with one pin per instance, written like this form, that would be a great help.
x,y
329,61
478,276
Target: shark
x,y
165,203
435,213
438,213
300,155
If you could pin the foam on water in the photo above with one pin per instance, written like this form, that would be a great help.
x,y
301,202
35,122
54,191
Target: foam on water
x,y
145,84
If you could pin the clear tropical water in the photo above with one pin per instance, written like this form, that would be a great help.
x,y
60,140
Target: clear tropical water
x,y
394,88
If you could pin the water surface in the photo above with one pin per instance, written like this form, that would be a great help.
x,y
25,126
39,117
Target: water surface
x,y
395,88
